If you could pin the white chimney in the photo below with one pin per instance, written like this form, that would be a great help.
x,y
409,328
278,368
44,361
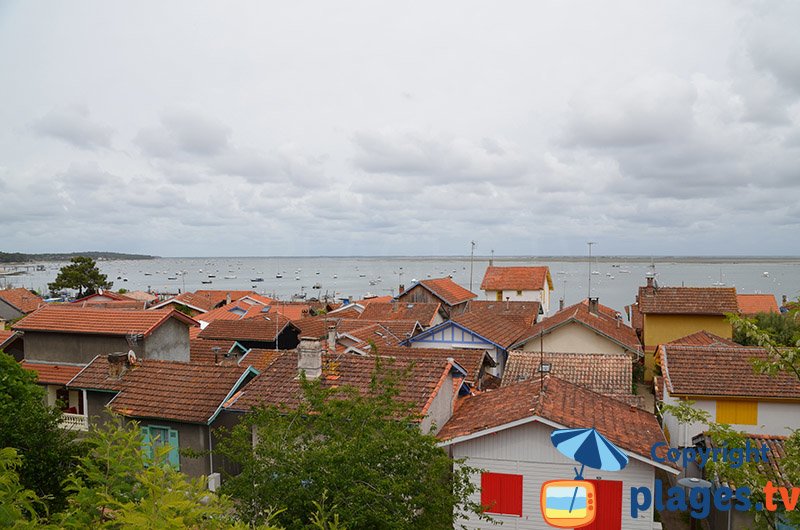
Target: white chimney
x,y
309,357
593,304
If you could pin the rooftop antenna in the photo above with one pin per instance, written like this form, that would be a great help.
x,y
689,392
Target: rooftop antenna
x,y
471,258
491,260
590,243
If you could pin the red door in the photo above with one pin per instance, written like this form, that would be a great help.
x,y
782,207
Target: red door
x,y
609,505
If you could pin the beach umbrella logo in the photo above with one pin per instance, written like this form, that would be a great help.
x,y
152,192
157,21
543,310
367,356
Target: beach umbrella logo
x,y
572,503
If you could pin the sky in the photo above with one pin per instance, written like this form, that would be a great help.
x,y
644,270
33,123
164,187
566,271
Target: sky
x,y
400,128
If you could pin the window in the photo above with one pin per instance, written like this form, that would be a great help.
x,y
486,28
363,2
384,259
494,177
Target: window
x,y
519,293
155,437
501,493
737,412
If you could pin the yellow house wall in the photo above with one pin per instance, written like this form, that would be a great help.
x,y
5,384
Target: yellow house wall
x,y
659,329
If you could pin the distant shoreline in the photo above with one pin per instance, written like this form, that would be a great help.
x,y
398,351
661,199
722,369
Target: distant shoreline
x,y
21,258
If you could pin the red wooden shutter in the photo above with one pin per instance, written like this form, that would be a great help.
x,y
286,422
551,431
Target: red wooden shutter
x,y
609,505
501,493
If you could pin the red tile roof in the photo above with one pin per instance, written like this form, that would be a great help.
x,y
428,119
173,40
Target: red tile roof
x,y
71,319
110,295
471,360
202,350
688,300
446,290
114,304
278,383
263,328
291,310
6,334
347,311
722,371
495,328
22,299
234,311
316,327
53,373
168,390
608,374
260,358
602,323
775,468
522,313
378,299
372,333
204,299
516,279
564,403
399,310
752,304
704,338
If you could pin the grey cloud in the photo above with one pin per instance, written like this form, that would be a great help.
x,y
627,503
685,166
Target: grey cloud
x,y
183,132
74,126
773,45
437,157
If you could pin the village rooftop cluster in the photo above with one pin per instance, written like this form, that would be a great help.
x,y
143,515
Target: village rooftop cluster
x,y
491,374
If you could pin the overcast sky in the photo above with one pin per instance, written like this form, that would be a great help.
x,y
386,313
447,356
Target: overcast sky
x,y
373,128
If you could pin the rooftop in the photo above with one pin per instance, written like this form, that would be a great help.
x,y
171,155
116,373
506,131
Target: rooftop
x,y
496,328
516,279
752,304
53,373
263,328
420,312
688,300
521,313
445,289
22,299
71,319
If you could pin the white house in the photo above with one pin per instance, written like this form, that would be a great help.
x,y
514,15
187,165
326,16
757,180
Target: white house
x,y
530,284
506,434
720,379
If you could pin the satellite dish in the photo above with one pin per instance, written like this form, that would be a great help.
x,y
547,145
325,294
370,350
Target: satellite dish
x,y
131,357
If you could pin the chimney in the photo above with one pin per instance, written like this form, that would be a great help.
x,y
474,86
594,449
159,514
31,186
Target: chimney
x,y
560,304
784,300
227,298
593,303
118,364
402,289
331,336
309,357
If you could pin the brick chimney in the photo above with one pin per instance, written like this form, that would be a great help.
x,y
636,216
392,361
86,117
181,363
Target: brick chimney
x,y
560,304
118,364
309,357
402,289
594,302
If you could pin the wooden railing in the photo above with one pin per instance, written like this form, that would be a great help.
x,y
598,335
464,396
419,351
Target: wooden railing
x,y
74,422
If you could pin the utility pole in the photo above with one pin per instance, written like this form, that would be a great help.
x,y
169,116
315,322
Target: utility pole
x,y
590,243
491,260
471,258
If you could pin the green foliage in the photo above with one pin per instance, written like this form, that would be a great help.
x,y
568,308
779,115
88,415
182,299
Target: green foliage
x,y
114,486
81,274
780,357
365,453
685,413
122,291
186,310
47,452
18,506
782,328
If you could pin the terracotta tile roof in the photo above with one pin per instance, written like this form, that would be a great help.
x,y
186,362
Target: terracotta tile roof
x,y
234,311
194,331
688,300
399,328
111,295
204,299
601,322
142,296
22,299
516,279
278,383
564,403
347,311
201,350
70,319
446,290
421,312
522,313
471,360
291,310
495,328
257,298
263,328
259,358
114,304
167,390
373,333
720,371
5,334
774,468
53,373
752,304
316,327
609,374
704,338
378,299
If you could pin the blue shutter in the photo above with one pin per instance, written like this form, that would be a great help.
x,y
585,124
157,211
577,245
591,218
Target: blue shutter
x,y
147,448
174,455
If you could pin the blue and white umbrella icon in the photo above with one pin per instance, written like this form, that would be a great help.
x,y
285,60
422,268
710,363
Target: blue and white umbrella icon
x,y
590,448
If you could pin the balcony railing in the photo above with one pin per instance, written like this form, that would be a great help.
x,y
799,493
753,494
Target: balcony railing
x,y
74,422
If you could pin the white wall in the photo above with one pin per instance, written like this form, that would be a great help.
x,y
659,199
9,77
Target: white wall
x,y
527,450
542,296
574,338
773,418
454,337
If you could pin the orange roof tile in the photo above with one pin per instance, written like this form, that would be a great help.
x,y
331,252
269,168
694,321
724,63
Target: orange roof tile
x,y
169,390
704,338
471,360
688,300
377,299
564,403
601,322
446,290
775,468
259,358
498,329
752,304
517,279
263,328
234,311
71,319
398,310
522,313
22,299
291,310
53,373
724,371
113,304
111,295
202,350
